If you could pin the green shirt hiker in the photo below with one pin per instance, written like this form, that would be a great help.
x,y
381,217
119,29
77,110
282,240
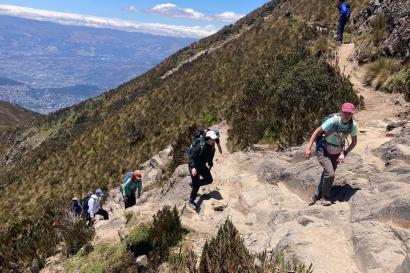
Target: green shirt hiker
x,y
131,185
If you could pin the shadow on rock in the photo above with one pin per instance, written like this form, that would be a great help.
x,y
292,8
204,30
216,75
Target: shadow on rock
x,y
207,196
343,193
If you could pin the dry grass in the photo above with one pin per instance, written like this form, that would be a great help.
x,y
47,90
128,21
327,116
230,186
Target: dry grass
x,y
378,72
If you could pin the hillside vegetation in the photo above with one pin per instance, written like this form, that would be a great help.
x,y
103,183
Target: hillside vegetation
x,y
12,115
263,74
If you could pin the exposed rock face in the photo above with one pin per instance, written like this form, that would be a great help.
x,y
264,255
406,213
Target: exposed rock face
x,y
396,41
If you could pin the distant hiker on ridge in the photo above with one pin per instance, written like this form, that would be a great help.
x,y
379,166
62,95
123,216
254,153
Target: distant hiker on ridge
x,y
200,153
330,141
94,207
132,183
344,16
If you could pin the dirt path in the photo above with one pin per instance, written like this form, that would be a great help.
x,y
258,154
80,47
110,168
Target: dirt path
x,y
379,108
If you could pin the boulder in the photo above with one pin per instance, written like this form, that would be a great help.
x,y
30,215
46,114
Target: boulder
x,y
142,262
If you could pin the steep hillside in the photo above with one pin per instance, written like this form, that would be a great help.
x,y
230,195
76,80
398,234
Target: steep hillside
x,y
12,115
264,75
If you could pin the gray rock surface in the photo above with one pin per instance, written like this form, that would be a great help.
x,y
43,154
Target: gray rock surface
x,y
396,41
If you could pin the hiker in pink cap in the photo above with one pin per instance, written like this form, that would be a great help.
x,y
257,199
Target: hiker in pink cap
x,y
330,140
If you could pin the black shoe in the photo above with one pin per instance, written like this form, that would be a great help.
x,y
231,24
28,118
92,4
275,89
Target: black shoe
x,y
192,205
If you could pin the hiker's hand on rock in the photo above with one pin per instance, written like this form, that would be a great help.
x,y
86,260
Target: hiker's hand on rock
x,y
341,158
194,173
308,152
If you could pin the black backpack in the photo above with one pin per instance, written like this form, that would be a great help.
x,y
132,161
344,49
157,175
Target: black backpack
x,y
84,204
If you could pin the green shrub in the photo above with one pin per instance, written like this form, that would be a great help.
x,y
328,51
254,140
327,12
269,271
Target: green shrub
x,y
26,243
288,102
183,262
209,118
138,241
135,131
226,252
166,232
76,233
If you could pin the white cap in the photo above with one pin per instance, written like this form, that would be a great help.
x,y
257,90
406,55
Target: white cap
x,y
211,135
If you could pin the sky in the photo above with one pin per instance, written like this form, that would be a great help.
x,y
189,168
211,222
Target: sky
x,y
194,18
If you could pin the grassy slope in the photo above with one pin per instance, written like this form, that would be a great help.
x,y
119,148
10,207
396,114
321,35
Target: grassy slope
x,y
91,145
12,115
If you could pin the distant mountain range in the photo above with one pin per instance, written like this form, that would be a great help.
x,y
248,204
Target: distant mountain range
x,y
84,60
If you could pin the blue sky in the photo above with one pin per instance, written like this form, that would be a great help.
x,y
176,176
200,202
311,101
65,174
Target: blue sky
x,y
209,14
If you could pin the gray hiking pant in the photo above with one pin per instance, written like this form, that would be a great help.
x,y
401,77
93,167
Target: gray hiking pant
x,y
329,165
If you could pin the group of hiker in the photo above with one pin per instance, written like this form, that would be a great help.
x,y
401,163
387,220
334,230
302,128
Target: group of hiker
x,y
330,140
91,205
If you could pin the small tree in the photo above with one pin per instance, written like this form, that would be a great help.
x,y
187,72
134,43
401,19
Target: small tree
x,y
166,232
226,253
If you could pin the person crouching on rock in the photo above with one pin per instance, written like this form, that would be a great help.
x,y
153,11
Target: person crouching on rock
x,y
330,139
202,153
130,187
94,207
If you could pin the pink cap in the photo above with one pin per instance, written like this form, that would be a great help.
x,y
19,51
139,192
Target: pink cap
x,y
348,107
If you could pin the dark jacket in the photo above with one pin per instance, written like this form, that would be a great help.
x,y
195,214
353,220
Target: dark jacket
x,y
200,155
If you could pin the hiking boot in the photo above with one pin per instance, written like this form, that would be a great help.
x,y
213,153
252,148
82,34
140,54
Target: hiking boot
x,y
325,202
192,205
313,200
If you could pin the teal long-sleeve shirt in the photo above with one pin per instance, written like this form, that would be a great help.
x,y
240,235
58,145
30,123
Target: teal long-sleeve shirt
x,y
130,186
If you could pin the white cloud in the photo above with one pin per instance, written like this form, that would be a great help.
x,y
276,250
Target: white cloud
x,y
132,9
172,10
101,22
169,9
227,16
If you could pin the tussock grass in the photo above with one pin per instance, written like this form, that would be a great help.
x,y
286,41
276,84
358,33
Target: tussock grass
x,y
378,72
379,27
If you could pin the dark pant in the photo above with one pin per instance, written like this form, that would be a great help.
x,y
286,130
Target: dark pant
x,y
329,165
103,213
130,200
197,182
341,27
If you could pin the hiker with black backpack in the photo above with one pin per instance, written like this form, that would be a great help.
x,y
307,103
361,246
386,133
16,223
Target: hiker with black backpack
x,y
344,16
200,154
132,184
330,140
94,207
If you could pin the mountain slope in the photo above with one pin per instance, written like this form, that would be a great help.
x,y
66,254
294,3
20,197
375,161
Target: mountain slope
x,y
257,71
12,115
265,194
124,127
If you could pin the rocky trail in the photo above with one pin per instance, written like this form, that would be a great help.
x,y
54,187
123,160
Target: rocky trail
x,y
266,193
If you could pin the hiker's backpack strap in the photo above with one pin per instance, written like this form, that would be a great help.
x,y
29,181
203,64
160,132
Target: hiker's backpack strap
x,y
334,128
